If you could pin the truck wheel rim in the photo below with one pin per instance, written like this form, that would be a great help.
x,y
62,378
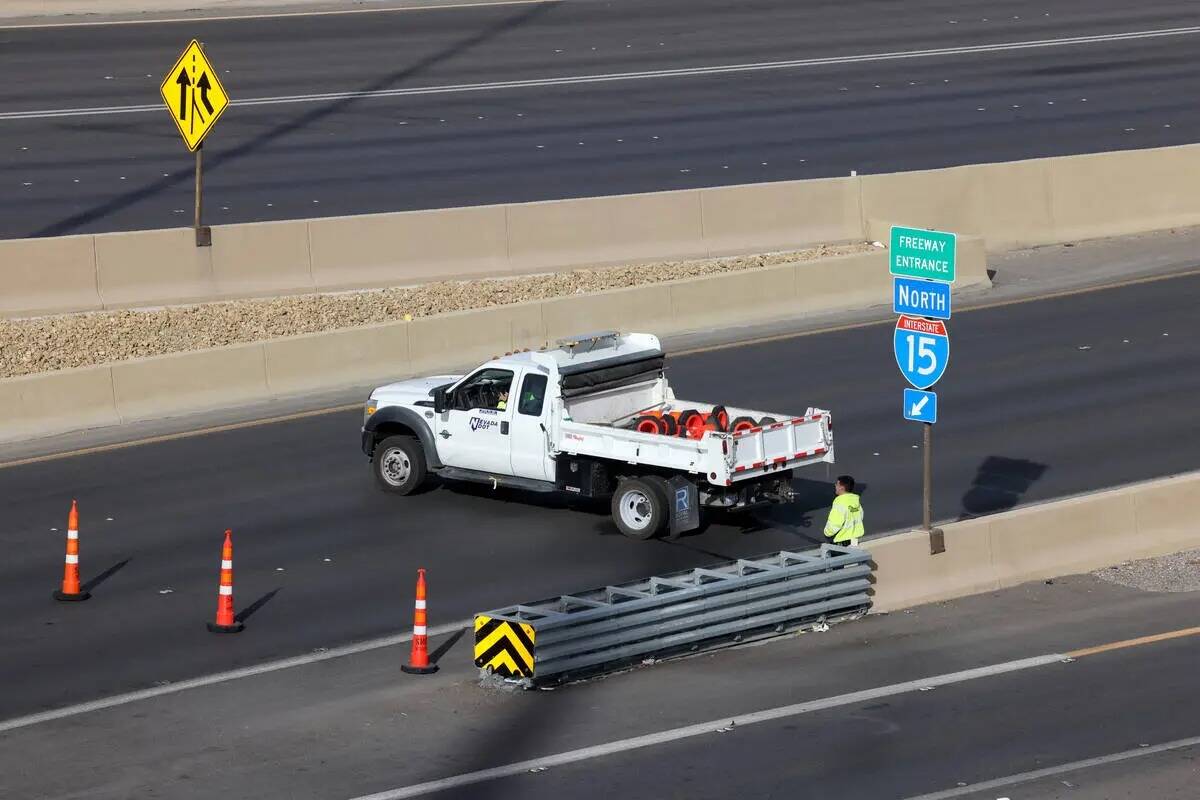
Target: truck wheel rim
x,y
635,510
396,467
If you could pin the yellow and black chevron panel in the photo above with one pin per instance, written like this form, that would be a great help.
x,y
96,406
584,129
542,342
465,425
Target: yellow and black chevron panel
x,y
504,647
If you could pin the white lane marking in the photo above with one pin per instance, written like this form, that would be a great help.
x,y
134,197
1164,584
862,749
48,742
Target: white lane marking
x,y
1049,772
715,726
221,677
269,15
621,76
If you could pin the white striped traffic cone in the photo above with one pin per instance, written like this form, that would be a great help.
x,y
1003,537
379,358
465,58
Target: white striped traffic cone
x,y
418,660
226,621
71,590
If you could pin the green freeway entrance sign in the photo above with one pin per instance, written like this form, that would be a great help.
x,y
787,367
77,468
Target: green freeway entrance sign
x,y
916,253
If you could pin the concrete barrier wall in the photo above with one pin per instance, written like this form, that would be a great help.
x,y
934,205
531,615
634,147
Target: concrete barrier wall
x,y
142,268
55,402
1008,205
396,249
224,377
261,259
146,388
146,268
605,230
45,276
1112,194
1065,537
787,215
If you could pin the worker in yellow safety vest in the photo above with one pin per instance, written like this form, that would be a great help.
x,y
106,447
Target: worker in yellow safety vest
x,y
845,525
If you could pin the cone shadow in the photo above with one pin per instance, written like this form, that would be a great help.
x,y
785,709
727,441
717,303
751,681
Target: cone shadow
x,y
103,576
246,612
445,646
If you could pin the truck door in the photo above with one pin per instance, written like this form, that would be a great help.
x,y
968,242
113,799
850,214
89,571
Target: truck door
x,y
530,451
473,433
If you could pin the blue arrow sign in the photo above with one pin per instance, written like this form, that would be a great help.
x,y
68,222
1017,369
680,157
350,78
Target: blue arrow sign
x,y
921,298
920,406
922,350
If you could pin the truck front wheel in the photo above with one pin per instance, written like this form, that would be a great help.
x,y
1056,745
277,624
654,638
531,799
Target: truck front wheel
x,y
639,507
399,464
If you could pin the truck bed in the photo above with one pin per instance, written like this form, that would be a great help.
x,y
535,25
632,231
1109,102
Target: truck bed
x,y
721,459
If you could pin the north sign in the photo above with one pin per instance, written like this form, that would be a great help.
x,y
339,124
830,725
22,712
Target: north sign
x,y
921,298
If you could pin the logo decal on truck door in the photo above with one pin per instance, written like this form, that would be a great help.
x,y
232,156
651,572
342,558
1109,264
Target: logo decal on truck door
x,y
478,424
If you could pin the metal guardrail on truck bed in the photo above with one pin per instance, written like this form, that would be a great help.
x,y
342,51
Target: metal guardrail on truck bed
x,y
601,629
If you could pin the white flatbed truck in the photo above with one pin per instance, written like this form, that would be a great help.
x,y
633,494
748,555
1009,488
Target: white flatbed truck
x,y
561,420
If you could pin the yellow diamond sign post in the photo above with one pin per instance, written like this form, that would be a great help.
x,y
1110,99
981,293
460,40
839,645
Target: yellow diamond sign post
x,y
194,96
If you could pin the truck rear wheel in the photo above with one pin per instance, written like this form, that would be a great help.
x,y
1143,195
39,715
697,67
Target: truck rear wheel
x,y
639,507
399,465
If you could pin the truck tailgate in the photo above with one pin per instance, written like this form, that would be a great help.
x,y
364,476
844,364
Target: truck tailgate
x,y
782,445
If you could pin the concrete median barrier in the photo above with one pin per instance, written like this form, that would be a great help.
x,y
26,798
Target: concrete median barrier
x,y
1008,205
860,280
972,264
788,215
468,337
599,231
906,575
147,268
1065,537
43,276
619,309
317,361
1112,194
409,247
942,199
1169,510
164,386
1013,204
228,376
1073,535
57,402
723,299
261,259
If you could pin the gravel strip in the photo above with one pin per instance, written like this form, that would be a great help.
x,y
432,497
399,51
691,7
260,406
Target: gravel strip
x,y
45,344
1178,572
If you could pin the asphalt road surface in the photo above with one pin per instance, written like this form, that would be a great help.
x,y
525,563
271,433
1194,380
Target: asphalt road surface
x,y
1042,399
355,726
449,107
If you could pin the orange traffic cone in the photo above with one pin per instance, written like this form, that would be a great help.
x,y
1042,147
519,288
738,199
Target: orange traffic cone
x,y
418,660
226,621
70,583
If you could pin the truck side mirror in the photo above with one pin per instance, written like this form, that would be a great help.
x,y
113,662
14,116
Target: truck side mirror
x,y
439,399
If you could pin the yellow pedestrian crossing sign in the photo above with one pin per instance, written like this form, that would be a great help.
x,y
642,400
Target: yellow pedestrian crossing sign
x,y
193,95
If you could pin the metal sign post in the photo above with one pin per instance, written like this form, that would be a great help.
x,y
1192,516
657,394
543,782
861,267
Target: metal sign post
x,y
203,232
924,264
937,537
